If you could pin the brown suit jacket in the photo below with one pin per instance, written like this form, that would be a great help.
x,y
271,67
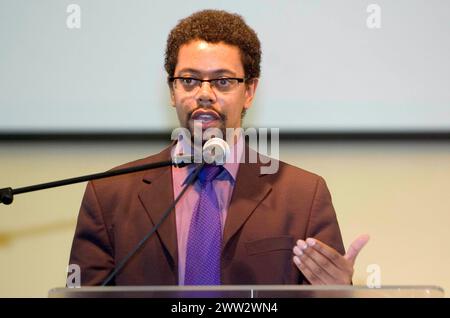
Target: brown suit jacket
x,y
267,214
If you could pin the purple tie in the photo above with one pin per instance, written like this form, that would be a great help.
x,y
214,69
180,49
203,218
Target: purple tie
x,y
205,234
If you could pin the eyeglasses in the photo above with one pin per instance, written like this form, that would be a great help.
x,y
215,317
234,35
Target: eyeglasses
x,y
191,84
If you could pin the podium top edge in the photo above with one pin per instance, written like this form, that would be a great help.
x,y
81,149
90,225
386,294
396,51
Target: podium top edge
x,y
249,287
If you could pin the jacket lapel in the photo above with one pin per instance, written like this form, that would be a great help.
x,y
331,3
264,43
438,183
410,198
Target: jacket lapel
x,y
250,190
156,196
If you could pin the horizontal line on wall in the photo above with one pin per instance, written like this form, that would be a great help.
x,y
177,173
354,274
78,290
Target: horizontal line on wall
x,y
284,136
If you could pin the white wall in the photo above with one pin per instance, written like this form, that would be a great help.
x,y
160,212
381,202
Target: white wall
x,y
322,67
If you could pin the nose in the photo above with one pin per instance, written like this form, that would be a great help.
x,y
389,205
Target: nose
x,y
205,94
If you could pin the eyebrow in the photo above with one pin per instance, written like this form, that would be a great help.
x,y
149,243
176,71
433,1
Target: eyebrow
x,y
214,73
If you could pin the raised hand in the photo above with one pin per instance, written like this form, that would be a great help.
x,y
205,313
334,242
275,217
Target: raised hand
x,y
323,265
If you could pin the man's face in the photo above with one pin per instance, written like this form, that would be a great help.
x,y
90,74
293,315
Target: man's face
x,y
212,108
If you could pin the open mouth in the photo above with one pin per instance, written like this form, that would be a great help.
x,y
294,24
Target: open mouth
x,y
205,117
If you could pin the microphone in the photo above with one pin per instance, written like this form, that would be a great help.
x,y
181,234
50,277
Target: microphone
x,y
215,151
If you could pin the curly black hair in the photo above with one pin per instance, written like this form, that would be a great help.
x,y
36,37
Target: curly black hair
x,y
215,26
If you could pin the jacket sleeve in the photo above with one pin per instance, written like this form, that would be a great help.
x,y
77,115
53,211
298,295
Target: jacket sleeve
x,y
323,224
91,247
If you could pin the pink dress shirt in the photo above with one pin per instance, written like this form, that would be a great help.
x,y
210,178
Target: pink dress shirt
x,y
223,185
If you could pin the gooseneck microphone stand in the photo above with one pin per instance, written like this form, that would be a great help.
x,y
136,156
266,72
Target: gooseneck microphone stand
x,y
7,194
138,246
7,197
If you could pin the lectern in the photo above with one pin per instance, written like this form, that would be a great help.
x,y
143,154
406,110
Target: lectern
x,y
249,291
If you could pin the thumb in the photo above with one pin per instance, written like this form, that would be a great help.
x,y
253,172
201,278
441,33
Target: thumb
x,y
356,247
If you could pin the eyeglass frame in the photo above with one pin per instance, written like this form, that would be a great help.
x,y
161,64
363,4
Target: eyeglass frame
x,y
201,81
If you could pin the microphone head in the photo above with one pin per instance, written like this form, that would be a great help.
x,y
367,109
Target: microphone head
x,y
216,151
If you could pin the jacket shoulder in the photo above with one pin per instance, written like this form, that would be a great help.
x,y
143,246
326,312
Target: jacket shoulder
x,y
295,185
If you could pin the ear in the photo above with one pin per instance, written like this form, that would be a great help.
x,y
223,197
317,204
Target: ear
x,y
250,90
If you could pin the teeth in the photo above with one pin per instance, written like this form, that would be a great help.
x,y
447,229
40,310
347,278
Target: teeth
x,y
205,117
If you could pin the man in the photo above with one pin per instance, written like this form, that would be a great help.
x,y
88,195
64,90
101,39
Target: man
x,y
235,225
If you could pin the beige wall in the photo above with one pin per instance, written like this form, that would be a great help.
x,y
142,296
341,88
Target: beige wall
x,y
396,192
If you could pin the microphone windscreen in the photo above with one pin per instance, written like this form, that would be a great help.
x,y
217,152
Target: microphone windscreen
x,y
216,151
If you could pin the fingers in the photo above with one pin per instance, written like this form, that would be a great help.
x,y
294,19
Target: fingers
x,y
312,278
356,247
324,269
317,264
321,264
328,252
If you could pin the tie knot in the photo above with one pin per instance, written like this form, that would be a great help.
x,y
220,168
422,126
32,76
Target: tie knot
x,y
209,173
